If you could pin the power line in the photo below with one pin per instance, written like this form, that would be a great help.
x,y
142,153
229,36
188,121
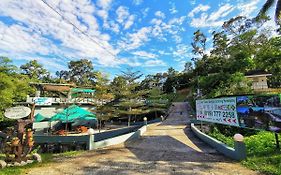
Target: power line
x,y
84,33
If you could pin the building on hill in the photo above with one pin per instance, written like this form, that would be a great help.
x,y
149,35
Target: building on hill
x,y
258,79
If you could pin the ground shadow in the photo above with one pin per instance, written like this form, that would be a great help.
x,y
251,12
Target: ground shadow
x,y
166,148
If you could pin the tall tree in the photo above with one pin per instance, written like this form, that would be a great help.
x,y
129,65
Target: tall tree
x,y
199,43
34,70
62,75
103,97
156,101
82,72
130,99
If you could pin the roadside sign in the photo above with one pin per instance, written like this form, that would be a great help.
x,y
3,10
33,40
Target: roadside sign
x,y
221,110
17,112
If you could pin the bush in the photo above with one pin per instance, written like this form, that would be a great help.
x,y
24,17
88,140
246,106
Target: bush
x,y
261,149
261,143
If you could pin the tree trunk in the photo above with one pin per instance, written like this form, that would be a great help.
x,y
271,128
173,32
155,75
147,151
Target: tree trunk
x,y
129,118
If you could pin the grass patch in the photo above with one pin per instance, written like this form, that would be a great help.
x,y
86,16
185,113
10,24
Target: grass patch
x,y
261,151
47,158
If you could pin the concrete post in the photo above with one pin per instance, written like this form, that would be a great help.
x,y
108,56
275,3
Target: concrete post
x,y
90,144
239,147
145,121
240,150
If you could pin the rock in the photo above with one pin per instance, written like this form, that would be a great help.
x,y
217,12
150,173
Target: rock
x,y
3,164
29,161
37,157
23,163
17,164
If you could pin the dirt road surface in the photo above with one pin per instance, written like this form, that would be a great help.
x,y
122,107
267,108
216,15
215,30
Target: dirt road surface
x,y
166,148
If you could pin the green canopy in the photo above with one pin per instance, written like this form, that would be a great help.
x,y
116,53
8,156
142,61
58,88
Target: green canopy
x,y
73,113
39,117
82,90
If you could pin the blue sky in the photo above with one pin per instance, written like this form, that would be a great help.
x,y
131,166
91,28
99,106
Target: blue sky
x,y
147,35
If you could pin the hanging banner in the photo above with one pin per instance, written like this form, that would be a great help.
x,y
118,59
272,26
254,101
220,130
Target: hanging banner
x,y
220,110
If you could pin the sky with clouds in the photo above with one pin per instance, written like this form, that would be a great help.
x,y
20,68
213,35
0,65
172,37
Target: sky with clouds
x,y
147,35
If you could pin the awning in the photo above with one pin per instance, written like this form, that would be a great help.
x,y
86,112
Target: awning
x,y
82,90
73,113
39,118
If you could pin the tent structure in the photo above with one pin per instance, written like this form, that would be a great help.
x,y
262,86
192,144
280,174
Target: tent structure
x,y
39,118
73,113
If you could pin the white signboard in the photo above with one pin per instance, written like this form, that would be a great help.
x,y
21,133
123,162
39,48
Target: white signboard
x,y
43,101
17,112
220,110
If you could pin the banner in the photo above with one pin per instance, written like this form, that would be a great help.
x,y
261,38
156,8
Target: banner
x,y
220,110
261,112
43,101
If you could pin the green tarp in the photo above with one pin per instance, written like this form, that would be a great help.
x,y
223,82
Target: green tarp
x,y
73,113
39,117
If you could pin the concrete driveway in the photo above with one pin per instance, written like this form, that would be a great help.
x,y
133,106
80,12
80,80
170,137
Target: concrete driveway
x,y
166,148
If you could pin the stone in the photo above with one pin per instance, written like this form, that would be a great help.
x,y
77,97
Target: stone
x,y
37,157
3,164
29,161
23,163
17,164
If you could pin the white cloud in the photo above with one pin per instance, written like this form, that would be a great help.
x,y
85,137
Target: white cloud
x,y
135,40
145,12
137,2
247,8
192,2
215,19
124,17
154,63
104,4
182,52
42,22
173,9
222,12
160,14
145,54
122,14
199,8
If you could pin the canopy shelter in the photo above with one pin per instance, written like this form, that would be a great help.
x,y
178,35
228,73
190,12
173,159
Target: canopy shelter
x,y
73,113
76,91
40,118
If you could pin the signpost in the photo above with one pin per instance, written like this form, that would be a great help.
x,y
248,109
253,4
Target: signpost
x,y
17,112
221,110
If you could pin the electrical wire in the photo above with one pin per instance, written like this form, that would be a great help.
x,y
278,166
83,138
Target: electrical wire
x,y
77,28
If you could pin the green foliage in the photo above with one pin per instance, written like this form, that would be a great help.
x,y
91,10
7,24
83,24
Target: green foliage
x,y
221,137
80,72
261,149
269,164
14,87
35,71
261,144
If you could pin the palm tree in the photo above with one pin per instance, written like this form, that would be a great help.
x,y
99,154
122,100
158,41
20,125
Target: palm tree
x,y
265,8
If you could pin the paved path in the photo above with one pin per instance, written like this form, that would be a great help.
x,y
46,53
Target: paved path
x,y
166,148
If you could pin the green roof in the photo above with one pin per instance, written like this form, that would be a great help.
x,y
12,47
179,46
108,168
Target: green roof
x,y
82,90
72,113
